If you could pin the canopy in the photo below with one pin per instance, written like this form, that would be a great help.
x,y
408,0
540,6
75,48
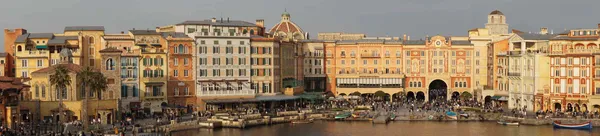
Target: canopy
x,y
500,98
276,98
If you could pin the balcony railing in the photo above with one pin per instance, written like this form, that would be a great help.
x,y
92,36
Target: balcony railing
x,y
153,94
370,55
514,74
222,34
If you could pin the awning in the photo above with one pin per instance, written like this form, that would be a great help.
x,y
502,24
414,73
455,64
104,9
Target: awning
x,y
41,46
154,83
155,44
500,98
311,96
142,44
277,98
217,101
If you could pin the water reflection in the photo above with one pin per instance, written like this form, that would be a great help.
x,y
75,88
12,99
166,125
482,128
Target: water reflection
x,y
330,128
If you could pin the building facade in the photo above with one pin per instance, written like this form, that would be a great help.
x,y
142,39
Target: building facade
x,y
181,84
265,61
128,69
314,68
571,54
153,80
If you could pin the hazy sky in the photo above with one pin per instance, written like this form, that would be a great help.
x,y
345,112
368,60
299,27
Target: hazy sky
x,y
416,18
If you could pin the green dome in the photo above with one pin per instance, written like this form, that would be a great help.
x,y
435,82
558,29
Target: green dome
x,y
285,13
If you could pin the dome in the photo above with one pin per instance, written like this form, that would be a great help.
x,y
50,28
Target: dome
x,y
285,14
66,52
286,27
496,12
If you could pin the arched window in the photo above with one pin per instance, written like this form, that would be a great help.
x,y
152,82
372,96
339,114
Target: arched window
x,y
43,91
19,48
91,40
181,48
110,65
245,31
501,20
37,91
492,19
251,32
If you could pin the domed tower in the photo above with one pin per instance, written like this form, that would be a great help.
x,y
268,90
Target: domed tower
x,y
496,24
287,29
66,56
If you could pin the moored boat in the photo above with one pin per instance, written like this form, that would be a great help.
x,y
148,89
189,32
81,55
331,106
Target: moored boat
x,y
508,123
586,125
451,115
302,121
343,115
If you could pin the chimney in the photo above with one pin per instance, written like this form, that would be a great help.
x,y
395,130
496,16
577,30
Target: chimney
x,y
260,22
122,32
404,37
214,20
543,30
227,19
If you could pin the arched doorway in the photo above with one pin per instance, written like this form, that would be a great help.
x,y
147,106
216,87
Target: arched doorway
x,y
585,108
487,99
410,96
577,108
455,95
569,107
438,90
420,96
557,107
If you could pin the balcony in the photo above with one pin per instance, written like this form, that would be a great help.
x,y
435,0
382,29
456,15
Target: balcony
x,y
515,53
514,74
222,34
37,53
154,95
370,56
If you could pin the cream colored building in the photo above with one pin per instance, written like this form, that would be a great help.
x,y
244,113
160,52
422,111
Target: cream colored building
x,y
528,69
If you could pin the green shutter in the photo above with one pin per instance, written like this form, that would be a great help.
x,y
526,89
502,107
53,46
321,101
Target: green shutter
x,y
145,62
155,61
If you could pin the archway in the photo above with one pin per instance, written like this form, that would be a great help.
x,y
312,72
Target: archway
x,y
410,95
577,108
487,99
569,107
557,107
420,96
585,108
438,90
455,95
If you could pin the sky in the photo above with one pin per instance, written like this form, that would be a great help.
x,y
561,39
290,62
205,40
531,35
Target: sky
x,y
416,18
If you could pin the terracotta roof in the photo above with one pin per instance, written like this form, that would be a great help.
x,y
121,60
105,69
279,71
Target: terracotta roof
x,y
110,50
286,27
516,31
70,68
3,54
11,82
496,12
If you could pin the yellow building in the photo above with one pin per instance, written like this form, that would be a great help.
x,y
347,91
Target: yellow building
x,y
45,97
153,82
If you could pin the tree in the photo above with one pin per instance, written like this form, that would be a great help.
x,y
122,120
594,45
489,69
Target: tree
x,y
98,85
60,79
85,78
466,95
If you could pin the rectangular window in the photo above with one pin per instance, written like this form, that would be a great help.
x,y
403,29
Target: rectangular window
x,y
175,62
216,42
24,63
24,74
228,42
175,73
185,61
40,63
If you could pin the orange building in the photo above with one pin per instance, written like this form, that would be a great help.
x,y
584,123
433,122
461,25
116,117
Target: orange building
x,y
10,36
180,84
571,55
497,67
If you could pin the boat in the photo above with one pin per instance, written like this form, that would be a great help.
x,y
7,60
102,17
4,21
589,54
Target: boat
x,y
302,121
508,123
586,125
393,116
451,115
343,115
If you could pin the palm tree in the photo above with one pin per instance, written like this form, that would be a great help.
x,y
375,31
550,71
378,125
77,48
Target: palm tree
x,y
98,85
85,78
60,79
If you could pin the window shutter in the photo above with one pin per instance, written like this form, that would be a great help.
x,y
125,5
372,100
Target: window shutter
x,y
145,62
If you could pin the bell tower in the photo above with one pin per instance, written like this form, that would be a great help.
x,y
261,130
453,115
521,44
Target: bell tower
x,y
496,24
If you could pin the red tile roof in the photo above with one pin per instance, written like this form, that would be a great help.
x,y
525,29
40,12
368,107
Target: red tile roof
x,y
11,82
70,67
286,27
